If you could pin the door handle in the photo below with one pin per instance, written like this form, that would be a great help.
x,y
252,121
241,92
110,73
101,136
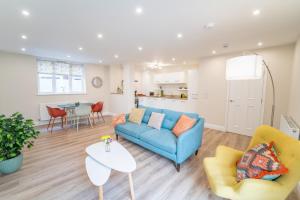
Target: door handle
x,y
231,100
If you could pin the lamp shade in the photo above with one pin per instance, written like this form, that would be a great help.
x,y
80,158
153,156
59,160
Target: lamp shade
x,y
244,67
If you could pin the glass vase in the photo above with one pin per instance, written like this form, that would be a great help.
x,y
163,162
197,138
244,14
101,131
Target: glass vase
x,y
107,147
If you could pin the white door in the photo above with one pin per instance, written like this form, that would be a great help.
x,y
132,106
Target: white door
x,y
244,106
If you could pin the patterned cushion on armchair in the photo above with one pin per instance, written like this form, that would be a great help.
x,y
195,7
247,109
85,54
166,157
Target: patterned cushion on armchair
x,y
260,162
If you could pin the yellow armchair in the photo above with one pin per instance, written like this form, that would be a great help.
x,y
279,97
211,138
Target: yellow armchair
x,y
221,170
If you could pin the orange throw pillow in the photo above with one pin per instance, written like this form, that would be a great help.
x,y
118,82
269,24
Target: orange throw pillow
x,y
183,124
120,119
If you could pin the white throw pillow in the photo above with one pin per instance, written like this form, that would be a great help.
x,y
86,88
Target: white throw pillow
x,y
156,120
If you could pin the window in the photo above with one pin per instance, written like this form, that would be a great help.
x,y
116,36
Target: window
x,y
60,78
244,67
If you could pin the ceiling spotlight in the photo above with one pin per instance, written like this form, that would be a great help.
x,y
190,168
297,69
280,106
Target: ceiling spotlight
x,y
209,25
100,36
80,48
259,44
173,59
100,61
256,12
179,35
24,37
25,13
140,48
213,52
116,56
68,56
23,49
184,62
139,10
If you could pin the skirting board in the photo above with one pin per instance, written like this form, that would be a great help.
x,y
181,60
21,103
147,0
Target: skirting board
x,y
40,123
214,126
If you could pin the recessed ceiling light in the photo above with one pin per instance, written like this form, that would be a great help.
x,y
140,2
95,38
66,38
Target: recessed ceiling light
x,y
209,25
259,44
68,56
256,12
100,61
23,49
179,35
184,62
140,48
100,36
116,56
25,13
80,48
213,52
173,59
24,37
139,10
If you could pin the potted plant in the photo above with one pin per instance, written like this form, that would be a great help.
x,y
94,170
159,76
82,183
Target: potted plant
x,y
15,133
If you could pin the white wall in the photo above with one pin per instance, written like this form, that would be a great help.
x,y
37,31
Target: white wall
x,y
123,103
116,77
213,85
18,86
294,107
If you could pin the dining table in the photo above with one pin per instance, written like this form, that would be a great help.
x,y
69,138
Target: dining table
x,y
70,109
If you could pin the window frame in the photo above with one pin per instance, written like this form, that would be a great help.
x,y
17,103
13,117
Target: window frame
x,y
54,92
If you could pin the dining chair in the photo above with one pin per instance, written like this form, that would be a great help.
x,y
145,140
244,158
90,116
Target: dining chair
x,y
55,113
81,112
97,108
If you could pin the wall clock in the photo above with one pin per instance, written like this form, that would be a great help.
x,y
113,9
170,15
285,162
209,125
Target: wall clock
x,y
97,82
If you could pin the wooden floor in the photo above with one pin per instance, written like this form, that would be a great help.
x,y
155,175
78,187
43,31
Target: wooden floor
x,y
54,169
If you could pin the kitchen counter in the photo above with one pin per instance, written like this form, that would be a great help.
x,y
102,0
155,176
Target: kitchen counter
x,y
165,97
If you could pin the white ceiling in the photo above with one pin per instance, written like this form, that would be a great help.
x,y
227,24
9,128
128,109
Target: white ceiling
x,y
56,28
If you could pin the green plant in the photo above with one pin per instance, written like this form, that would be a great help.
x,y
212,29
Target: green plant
x,y
15,133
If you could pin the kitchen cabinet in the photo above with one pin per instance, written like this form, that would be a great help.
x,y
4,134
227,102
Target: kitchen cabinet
x,y
165,103
170,78
193,92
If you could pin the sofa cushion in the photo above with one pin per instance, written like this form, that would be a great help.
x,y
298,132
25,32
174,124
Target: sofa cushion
x,y
183,124
156,120
171,117
148,111
136,115
133,129
163,139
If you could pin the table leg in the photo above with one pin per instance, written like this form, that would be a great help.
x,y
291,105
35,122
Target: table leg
x,y
131,186
100,192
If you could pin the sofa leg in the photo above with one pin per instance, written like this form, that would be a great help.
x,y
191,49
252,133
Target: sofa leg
x,y
177,167
117,137
196,152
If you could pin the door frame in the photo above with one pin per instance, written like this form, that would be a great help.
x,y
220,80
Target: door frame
x,y
265,77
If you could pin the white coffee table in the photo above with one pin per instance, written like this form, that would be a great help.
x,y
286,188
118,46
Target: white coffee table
x,y
99,164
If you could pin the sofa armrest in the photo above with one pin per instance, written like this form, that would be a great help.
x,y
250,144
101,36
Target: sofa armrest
x,y
227,155
189,141
127,117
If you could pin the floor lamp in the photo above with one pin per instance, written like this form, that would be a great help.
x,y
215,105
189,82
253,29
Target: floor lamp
x,y
250,67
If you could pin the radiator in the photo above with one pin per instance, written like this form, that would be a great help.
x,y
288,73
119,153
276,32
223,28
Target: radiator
x,y
289,126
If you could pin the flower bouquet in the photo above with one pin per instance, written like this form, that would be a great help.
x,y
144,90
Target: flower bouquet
x,y
107,140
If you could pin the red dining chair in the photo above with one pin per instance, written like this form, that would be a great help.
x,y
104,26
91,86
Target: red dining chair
x,y
54,113
97,108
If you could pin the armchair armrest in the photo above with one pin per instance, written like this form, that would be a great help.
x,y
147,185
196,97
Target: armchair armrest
x,y
227,155
261,189
189,141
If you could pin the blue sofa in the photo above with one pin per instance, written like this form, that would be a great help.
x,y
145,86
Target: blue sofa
x,y
163,141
